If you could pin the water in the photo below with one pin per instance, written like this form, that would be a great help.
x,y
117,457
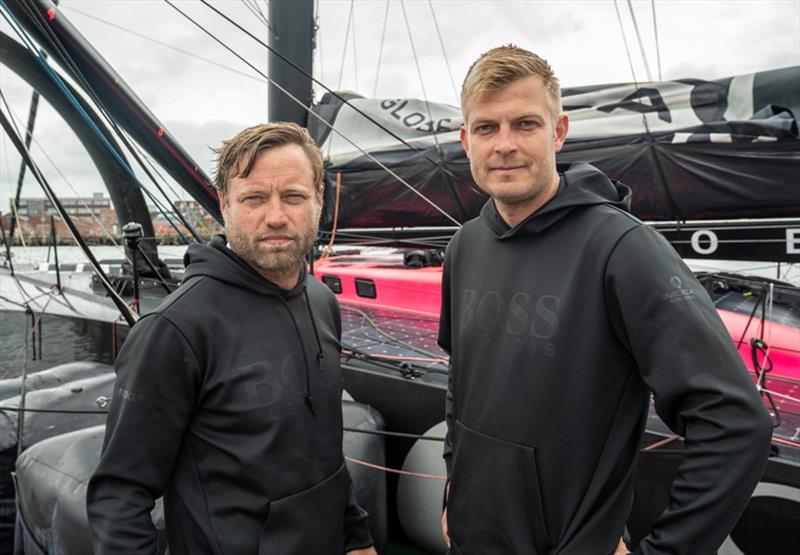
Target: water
x,y
33,256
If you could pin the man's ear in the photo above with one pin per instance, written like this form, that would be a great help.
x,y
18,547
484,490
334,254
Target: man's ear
x,y
223,202
561,129
464,138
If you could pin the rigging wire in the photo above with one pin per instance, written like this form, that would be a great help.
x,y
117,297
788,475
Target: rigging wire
x,y
78,108
91,212
333,93
655,32
29,335
444,53
344,50
380,50
421,80
28,136
318,41
317,116
355,48
357,238
14,135
660,178
625,42
11,202
641,44
388,335
252,5
167,45
154,167
55,42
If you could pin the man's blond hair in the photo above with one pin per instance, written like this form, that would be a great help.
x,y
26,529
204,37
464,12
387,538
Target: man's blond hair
x,y
499,67
236,156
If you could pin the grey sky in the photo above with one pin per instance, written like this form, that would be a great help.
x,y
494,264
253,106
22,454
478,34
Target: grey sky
x,y
202,103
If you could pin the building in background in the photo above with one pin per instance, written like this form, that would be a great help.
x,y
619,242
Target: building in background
x,y
96,220
94,217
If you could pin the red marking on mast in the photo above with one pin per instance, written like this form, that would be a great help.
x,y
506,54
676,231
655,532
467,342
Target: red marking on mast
x,y
51,14
160,132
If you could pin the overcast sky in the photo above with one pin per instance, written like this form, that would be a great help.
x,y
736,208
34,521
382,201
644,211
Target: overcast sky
x,y
207,95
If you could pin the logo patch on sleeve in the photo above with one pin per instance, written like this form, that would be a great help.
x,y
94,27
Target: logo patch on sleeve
x,y
678,293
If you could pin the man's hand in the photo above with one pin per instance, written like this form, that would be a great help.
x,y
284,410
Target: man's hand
x,y
621,549
365,551
444,528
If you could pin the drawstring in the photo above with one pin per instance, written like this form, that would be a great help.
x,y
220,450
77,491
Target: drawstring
x,y
316,333
308,398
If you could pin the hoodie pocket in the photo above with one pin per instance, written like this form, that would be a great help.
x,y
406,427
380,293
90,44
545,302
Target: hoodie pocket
x,y
311,521
495,504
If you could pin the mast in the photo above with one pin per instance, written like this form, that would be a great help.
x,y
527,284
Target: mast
x,y
291,35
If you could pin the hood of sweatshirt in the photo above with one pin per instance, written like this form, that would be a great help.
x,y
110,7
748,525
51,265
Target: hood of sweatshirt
x,y
215,260
581,185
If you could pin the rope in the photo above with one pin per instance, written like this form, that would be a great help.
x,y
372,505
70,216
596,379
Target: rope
x,y
393,434
329,248
51,411
661,443
396,470
29,335
387,334
749,321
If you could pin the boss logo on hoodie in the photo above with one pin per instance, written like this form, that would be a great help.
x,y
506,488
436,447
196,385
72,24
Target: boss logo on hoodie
x,y
277,386
521,322
678,292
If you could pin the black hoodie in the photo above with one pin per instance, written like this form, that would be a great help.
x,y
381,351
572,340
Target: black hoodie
x,y
228,403
558,331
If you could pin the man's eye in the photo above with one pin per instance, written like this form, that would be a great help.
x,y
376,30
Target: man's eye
x,y
483,129
295,199
527,124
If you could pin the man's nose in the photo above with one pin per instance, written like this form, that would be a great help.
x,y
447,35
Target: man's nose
x,y
505,142
275,215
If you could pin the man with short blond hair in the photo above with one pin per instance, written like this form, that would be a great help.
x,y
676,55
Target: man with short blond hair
x,y
228,395
562,313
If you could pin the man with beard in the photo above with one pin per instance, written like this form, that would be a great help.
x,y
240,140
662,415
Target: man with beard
x,y
562,313
228,395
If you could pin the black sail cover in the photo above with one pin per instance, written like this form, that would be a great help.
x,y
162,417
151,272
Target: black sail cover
x,y
689,149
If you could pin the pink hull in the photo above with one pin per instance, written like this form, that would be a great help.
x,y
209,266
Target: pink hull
x,y
383,282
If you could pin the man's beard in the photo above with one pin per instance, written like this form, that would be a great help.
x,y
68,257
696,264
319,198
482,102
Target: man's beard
x,y
271,260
